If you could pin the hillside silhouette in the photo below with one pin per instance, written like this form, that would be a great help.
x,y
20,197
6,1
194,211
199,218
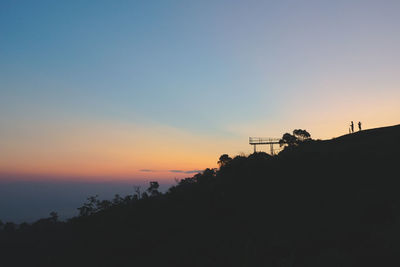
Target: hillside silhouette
x,y
317,203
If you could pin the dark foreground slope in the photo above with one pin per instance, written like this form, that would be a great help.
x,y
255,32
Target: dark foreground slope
x,y
323,203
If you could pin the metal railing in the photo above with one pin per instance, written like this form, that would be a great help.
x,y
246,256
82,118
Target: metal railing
x,y
263,141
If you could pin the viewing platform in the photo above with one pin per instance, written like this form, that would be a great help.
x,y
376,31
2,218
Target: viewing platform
x,y
254,141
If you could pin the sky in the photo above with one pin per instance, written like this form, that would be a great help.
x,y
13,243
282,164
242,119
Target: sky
x,y
101,91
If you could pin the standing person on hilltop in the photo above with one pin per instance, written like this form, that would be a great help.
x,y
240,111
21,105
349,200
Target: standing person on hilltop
x,y
359,125
352,126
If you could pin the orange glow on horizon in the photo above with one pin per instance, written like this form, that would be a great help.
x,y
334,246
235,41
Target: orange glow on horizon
x,y
123,152
118,151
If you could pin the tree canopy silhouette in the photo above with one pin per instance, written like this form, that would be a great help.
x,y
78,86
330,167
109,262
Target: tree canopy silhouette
x,y
224,159
299,136
153,189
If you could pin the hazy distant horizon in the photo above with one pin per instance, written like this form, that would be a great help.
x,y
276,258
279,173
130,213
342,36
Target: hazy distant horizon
x,y
28,201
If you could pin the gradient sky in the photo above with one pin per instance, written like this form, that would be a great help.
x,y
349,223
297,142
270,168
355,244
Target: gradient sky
x,y
142,89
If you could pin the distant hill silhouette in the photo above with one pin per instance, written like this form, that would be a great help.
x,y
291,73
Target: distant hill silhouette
x,y
320,203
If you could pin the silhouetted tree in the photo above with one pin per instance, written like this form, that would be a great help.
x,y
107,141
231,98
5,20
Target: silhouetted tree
x,y
153,189
301,135
288,139
90,207
223,160
138,193
205,176
296,138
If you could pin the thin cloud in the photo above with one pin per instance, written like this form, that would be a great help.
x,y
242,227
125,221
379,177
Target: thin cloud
x,y
193,171
173,171
187,172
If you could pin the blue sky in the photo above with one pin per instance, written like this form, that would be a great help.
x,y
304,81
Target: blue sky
x,y
197,65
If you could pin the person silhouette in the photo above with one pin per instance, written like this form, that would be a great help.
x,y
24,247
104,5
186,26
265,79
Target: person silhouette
x,y
352,126
359,125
